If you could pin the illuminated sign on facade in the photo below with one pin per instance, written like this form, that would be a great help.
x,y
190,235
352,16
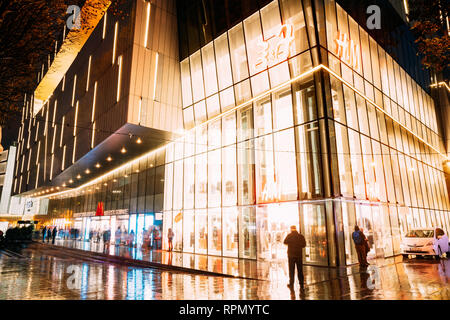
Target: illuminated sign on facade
x,y
347,50
276,48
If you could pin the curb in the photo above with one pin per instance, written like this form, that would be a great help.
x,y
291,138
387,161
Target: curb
x,y
141,263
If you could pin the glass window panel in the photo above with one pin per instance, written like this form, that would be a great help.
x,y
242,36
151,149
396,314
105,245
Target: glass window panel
x,y
283,111
242,92
266,188
201,231
223,61
362,114
229,181
215,231
197,76
331,24
227,99
209,67
355,47
189,183
260,83
390,69
380,185
285,160
214,178
357,167
246,167
375,63
229,129
300,64
245,124
367,67
308,148
200,112
201,139
201,180
369,166
178,185
263,116
168,186
247,232
279,74
343,155
214,134
188,115
313,227
383,70
292,13
397,178
350,107
188,231
186,83
189,143
305,101
238,53
256,48
230,232
213,106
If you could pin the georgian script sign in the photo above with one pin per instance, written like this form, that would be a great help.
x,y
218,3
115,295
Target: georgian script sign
x,y
276,48
347,50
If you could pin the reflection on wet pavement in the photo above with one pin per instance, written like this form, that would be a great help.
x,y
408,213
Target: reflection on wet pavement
x,y
43,273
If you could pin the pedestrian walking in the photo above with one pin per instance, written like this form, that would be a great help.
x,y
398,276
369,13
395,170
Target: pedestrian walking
x,y
44,230
157,237
49,234
359,239
170,236
53,235
106,239
295,242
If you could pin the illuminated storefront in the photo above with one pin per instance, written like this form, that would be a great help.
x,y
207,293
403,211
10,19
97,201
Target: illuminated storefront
x,y
294,116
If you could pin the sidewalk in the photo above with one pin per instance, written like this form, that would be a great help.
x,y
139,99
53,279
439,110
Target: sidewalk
x,y
231,267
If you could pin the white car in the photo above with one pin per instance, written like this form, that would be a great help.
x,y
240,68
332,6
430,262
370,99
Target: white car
x,y
423,242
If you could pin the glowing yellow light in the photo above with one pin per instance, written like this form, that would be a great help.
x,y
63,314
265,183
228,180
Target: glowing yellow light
x,y
109,158
139,141
87,171
123,150
78,177
97,165
147,24
70,181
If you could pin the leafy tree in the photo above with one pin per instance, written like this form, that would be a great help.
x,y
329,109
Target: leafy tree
x,y
28,32
429,23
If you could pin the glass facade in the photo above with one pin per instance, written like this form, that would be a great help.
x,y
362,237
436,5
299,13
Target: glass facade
x,y
272,140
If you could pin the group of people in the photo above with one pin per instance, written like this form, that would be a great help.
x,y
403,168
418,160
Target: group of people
x,y
295,242
49,233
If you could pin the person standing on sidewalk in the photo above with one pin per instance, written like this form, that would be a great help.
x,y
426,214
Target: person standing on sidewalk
x,y
53,235
170,235
49,234
295,242
44,230
359,239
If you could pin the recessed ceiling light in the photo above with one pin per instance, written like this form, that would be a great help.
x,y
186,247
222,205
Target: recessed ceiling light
x,y
105,184
64,185
97,165
87,171
78,177
70,181
138,141
109,158
123,150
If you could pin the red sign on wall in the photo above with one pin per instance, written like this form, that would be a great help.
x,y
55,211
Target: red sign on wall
x,y
100,210
347,50
276,48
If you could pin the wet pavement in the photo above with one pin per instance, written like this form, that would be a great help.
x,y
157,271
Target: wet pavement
x,y
48,272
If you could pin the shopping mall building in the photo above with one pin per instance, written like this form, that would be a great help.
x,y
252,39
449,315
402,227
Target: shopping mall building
x,y
230,121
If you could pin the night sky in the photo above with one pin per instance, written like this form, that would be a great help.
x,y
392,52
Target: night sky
x,y
9,134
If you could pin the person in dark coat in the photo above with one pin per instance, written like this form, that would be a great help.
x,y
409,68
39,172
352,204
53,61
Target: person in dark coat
x,y
49,234
359,239
53,235
44,230
295,242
